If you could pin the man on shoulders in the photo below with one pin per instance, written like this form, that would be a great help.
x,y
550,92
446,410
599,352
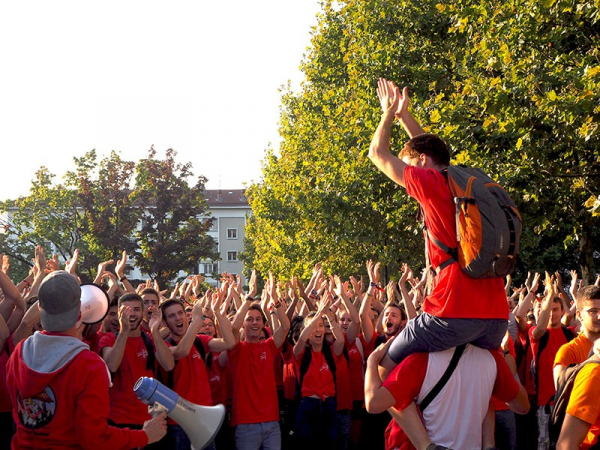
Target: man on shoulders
x,y
454,313
59,387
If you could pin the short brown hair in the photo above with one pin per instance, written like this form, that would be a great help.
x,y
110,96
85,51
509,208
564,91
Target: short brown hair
x,y
586,293
428,144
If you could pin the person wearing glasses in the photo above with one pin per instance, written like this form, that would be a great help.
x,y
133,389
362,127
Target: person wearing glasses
x,y
588,314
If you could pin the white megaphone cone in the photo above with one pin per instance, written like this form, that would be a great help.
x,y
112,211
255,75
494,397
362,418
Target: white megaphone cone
x,y
94,304
200,423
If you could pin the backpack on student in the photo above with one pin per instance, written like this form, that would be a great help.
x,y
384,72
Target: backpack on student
x,y
488,225
169,382
564,388
305,364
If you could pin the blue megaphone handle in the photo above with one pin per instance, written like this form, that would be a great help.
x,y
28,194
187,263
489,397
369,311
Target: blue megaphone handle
x,y
151,391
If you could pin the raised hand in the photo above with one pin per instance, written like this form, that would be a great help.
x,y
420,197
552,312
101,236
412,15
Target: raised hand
x,y
155,318
5,264
71,264
121,264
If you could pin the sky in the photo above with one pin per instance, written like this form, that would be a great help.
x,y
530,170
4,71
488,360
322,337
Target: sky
x,y
200,77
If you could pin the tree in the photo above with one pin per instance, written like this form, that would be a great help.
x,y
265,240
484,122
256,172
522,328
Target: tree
x,y
173,232
98,210
511,86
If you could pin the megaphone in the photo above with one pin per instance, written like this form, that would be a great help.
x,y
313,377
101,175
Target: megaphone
x,y
94,304
200,423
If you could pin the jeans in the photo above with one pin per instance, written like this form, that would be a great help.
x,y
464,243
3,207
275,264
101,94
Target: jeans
x,y
343,421
506,430
256,436
543,435
315,423
427,333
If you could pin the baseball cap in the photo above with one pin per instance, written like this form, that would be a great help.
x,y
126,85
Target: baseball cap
x,y
60,301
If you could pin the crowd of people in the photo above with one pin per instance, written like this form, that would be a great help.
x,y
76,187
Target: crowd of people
x,y
433,361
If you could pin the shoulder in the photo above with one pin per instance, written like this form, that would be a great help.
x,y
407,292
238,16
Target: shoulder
x,y
108,340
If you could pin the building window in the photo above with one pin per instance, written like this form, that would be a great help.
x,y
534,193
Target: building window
x,y
232,256
231,233
209,268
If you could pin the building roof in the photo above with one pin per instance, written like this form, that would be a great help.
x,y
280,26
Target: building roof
x,y
226,197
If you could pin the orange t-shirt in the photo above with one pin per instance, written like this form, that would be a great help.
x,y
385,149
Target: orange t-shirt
x,y
584,403
574,352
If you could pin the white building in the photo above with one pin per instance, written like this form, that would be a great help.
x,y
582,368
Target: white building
x,y
228,208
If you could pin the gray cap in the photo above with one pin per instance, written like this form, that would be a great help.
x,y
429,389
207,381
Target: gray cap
x,y
60,301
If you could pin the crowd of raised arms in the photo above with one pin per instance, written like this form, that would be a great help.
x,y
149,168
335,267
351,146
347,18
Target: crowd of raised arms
x,y
304,379
452,358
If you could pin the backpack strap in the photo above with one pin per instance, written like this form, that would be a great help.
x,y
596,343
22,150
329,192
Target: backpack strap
x,y
305,364
458,351
151,360
542,345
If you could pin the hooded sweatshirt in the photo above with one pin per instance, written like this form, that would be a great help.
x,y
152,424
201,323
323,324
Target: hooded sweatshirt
x,y
59,389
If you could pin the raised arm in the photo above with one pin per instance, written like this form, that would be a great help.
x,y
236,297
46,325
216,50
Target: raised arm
x,y
394,104
308,329
163,354
281,332
544,316
342,291
522,308
114,355
120,271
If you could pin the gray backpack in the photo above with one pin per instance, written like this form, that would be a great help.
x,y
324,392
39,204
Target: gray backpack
x,y
488,225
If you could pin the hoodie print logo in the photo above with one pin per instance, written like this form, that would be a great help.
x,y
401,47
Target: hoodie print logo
x,y
37,411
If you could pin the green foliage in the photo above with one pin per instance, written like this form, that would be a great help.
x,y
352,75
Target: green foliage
x,y
172,236
512,86
98,210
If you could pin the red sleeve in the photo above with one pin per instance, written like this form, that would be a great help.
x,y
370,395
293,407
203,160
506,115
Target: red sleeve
x,y
205,340
92,409
406,380
506,387
108,340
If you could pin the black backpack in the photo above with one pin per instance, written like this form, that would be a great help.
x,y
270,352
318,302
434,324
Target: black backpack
x,y
151,360
564,388
169,382
305,364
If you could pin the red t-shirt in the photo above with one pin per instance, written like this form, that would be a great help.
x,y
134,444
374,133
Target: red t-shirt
x,y
497,404
190,379
318,379
524,368
216,378
343,395
254,388
5,403
357,372
545,365
125,407
289,372
454,294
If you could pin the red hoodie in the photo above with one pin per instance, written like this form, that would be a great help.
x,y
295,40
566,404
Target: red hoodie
x,y
60,392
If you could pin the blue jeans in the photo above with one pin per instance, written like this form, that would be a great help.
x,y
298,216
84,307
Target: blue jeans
x,y
256,436
178,440
315,422
427,333
506,430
